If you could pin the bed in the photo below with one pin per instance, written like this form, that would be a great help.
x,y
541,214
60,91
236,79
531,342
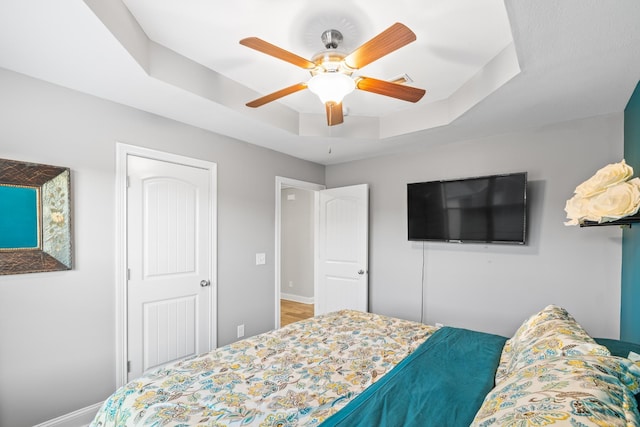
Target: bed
x,y
350,368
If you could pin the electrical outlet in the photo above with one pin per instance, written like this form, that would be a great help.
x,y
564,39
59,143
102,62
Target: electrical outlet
x,y
290,283
240,331
261,258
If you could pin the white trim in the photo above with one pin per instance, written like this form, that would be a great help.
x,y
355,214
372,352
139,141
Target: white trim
x,y
281,183
316,246
80,418
122,151
297,298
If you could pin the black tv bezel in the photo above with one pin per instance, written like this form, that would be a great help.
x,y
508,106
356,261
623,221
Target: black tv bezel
x,y
523,241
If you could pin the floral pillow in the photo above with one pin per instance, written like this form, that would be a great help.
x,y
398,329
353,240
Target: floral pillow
x,y
549,333
572,391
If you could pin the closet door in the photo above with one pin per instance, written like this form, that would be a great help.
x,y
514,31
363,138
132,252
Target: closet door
x,y
169,292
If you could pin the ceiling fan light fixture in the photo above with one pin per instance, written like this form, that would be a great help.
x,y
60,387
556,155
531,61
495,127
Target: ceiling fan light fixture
x,y
331,87
332,70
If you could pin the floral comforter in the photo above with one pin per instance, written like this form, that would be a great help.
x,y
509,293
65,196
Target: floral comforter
x,y
298,375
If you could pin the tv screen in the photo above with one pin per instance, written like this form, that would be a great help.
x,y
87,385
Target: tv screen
x,y
489,209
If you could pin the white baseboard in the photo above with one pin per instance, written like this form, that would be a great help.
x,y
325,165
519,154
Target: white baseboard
x,y
297,298
80,418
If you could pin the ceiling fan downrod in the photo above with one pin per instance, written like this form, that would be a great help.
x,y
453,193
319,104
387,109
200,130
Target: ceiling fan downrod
x,y
331,39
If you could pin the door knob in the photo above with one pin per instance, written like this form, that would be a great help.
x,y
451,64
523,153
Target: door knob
x,y
205,283
360,272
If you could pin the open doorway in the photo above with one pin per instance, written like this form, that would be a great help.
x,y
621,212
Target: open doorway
x,y
297,255
340,249
295,249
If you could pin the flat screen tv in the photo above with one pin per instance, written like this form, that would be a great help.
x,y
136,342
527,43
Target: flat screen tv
x,y
486,209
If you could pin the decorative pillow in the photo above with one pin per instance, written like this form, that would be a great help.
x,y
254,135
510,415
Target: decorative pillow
x,y
571,391
551,332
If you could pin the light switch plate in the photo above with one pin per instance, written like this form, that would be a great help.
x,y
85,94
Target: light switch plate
x,y
261,258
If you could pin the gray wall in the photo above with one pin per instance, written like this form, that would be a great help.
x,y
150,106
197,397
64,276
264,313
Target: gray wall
x,y
57,330
495,287
296,277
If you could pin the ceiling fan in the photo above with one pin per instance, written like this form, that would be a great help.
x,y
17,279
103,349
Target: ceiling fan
x,y
332,70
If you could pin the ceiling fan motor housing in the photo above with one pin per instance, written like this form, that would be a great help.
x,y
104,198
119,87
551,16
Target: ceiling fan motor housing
x,y
330,60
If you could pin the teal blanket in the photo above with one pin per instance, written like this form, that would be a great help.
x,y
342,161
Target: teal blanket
x,y
442,384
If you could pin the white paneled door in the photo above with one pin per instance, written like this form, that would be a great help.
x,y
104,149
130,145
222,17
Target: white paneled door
x,y
169,300
342,253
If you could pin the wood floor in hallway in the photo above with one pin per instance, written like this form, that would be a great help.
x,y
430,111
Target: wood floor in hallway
x,y
291,311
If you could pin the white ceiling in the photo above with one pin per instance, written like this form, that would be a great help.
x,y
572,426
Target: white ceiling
x,y
208,33
487,69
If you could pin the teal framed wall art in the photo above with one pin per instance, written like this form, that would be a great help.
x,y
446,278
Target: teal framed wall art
x,y
35,218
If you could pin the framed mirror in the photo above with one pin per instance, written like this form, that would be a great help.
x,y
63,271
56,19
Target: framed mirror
x,y
35,218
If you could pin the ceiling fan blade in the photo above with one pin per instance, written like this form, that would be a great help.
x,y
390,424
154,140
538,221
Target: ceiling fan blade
x,y
394,90
277,95
391,39
334,113
275,51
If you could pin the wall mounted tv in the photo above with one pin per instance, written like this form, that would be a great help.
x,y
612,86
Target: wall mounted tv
x,y
487,209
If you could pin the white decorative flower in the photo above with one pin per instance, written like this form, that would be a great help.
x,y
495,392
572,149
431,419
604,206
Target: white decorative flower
x,y
576,207
615,202
606,196
604,178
